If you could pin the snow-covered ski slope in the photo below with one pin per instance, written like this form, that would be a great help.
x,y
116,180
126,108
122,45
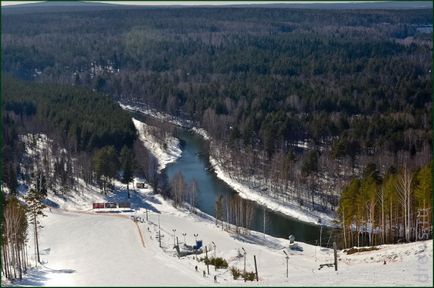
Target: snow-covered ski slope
x,y
81,247
102,250
85,248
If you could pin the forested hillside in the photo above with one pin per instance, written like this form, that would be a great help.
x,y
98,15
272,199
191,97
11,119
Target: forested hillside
x,y
85,126
288,95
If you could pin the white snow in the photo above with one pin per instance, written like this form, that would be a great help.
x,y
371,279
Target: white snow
x,y
108,249
157,114
81,247
165,150
202,132
288,209
85,248
187,124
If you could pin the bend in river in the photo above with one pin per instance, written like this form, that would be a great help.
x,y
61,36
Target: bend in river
x,y
193,164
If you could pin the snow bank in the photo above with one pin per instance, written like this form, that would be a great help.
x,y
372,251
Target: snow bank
x,y
165,150
187,124
256,195
158,115
202,132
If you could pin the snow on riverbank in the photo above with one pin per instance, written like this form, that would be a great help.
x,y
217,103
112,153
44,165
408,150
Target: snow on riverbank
x,y
202,132
187,124
158,115
256,195
165,150
289,209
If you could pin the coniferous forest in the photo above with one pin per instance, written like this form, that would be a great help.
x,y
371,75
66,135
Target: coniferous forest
x,y
331,109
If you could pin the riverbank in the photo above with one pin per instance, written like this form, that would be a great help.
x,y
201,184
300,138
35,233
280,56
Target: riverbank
x,y
165,150
288,209
292,210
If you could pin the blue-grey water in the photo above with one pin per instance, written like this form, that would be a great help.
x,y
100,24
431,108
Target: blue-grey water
x,y
193,164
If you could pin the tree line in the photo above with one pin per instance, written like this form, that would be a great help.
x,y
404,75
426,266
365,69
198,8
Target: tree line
x,y
386,208
353,86
260,81
18,218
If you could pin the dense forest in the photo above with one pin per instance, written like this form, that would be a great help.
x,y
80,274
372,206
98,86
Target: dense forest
x,y
387,208
77,119
303,100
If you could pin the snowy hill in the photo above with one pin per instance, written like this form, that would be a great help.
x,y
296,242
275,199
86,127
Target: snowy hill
x,y
84,247
87,248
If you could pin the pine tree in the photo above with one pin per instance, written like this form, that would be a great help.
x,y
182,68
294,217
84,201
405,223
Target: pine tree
x,y
35,208
12,180
127,162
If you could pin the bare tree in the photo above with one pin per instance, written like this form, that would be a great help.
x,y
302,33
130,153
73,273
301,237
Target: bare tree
x,y
403,187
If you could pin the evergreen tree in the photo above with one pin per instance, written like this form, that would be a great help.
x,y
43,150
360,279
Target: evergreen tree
x,y
35,208
127,163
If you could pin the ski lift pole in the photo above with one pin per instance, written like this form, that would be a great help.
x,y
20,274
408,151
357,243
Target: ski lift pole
x,y
174,236
287,258
245,253
195,238
215,249
215,254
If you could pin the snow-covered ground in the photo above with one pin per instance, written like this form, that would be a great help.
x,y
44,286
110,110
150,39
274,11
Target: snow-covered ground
x,y
87,248
84,247
165,150
157,114
292,210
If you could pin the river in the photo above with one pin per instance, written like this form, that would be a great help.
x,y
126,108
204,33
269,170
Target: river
x,y
193,164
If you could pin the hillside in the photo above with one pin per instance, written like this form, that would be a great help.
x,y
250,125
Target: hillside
x,y
82,247
292,96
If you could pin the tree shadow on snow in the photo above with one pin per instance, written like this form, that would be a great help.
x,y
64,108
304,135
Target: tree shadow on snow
x,y
136,199
38,276
252,239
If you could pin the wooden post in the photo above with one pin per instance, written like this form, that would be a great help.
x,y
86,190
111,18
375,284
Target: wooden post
x,y
336,256
343,228
256,268
146,214
177,242
320,236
